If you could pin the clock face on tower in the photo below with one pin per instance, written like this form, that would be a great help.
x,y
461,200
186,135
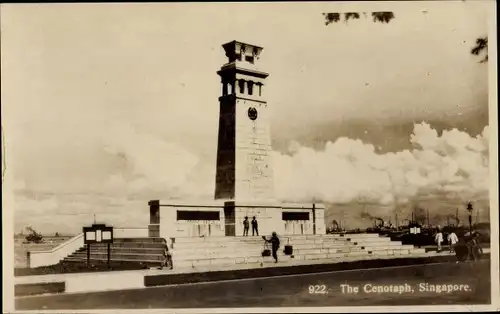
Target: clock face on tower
x,y
252,113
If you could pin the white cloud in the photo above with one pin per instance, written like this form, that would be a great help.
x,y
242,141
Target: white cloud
x,y
349,170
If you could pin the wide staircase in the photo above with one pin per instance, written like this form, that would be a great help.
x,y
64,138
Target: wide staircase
x,y
220,251
133,253
130,252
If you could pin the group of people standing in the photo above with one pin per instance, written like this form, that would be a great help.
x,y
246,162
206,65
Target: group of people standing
x,y
452,240
467,247
246,226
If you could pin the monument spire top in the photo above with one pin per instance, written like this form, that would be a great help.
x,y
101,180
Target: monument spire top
x,y
239,51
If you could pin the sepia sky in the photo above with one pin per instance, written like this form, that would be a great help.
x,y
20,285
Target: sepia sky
x,y
100,101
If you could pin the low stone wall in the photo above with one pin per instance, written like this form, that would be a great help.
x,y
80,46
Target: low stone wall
x,y
196,277
108,281
39,288
21,249
53,256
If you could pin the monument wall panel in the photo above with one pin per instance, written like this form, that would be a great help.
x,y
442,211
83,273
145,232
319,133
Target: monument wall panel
x,y
171,227
268,218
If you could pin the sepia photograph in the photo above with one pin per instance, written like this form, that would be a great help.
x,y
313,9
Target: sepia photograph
x,y
249,157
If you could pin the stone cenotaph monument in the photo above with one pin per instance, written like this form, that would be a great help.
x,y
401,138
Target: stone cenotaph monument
x,y
244,183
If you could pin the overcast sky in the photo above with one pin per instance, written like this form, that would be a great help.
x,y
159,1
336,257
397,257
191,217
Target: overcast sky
x,y
87,88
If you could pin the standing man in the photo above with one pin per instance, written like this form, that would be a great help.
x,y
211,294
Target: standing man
x,y
439,239
255,227
246,226
452,241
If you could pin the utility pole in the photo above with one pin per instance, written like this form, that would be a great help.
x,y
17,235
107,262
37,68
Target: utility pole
x,y
470,209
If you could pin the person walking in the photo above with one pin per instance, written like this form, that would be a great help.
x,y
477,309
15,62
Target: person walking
x,y
439,239
246,226
167,258
475,249
462,250
452,241
255,227
275,245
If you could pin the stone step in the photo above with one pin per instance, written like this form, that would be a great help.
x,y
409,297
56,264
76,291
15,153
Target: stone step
x,y
357,235
323,245
360,253
217,261
291,237
218,248
123,250
306,243
325,250
101,260
315,241
296,253
379,240
258,259
139,240
153,257
186,249
380,244
234,241
333,245
337,236
353,235
84,252
233,245
212,239
342,245
129,245
259,248
417,251
217,241
221,246
339,241
365,241
218,256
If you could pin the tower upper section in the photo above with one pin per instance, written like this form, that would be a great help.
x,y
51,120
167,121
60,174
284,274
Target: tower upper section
x,y
244,165
240,76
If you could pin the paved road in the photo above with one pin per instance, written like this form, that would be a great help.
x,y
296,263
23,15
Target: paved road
x,y
293,291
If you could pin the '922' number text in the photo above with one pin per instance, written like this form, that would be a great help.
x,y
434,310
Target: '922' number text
x,y
318,289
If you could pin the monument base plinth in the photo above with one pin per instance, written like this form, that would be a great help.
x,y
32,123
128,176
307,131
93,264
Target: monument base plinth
x,y
225,218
